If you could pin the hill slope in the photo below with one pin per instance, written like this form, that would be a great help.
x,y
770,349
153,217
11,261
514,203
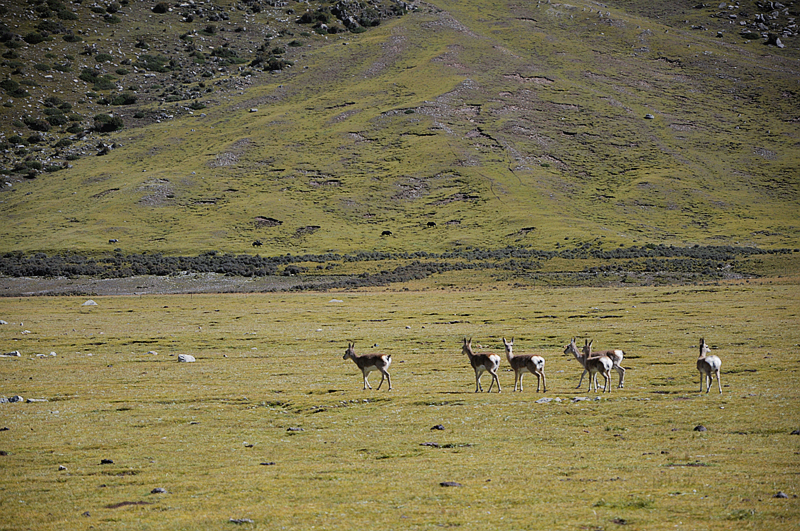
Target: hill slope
x,y
455,123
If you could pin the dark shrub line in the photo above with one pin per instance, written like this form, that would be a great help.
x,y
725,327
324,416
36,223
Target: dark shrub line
x,y
705,260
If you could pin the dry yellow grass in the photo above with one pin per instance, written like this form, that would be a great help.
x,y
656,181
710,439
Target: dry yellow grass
x,y
268,363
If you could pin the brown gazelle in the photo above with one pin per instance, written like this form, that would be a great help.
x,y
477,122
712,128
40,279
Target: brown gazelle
x,y
525,363
481,363
370,362
708,366
616,356
602,365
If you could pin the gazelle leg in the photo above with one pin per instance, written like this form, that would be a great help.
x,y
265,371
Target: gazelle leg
x,y
385,375
581,381
719,383
496,379
521,374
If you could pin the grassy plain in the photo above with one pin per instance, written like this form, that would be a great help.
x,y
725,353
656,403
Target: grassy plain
x,y
270,362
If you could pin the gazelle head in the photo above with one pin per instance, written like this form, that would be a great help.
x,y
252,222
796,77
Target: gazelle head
x,y
704,349
509,345
587,347
572,349
350,352
466,348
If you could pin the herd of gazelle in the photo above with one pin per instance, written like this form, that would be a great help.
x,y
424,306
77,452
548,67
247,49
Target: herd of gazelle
x,y
594,363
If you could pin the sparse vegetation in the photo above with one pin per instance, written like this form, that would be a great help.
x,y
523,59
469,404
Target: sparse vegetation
x,y
121,414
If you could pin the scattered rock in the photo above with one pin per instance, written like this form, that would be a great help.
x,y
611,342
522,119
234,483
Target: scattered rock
x,y
295,429
5,428
90,302
580,399
36,400
14,354
158,490
3,453
431,444
3,322
649,116
153,353
268,463
438,427
545,400
106,461
241,521
186,358
61,468
700,427
796,432
16,398
774,40
87,514
781,495
450,484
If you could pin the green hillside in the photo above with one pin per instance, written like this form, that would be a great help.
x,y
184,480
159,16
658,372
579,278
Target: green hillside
x,y
445,123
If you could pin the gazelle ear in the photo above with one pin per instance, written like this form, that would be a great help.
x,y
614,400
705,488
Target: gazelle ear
x,y
590,343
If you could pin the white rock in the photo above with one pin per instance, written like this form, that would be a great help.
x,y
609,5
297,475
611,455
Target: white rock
x,y
90,302
186,358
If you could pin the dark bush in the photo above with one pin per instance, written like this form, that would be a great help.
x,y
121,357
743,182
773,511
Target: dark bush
x,y
52,101
106,123
126,98
154,63
72,38
13,89
57,120
36,124
160,8
67,15
34,38
103,57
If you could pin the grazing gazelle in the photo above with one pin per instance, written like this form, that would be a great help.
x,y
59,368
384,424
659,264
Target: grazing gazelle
x,y
602,365
370,362
616,356
482,362
525,363
708,366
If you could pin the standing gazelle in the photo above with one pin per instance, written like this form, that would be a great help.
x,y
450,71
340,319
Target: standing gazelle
x,y
616,356
708,366
602,365
525,363
481,363
370,362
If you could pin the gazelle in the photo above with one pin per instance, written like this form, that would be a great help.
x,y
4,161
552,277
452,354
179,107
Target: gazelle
x,y
708,366
616,356
481,363
525,363
370,362
602,365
